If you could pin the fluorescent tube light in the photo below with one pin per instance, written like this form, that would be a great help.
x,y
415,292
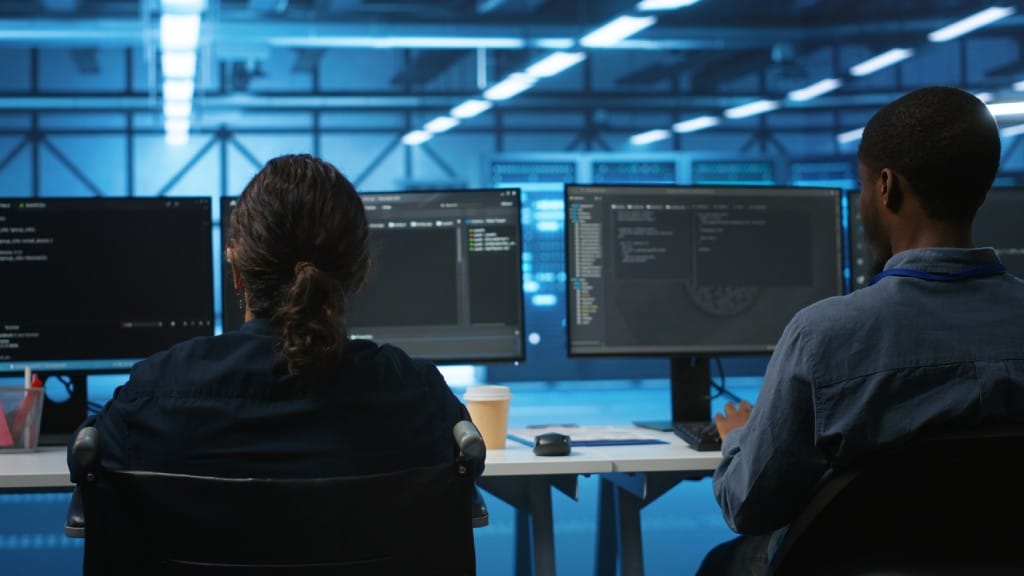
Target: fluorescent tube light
x,y
850,135
416,137
471,108
178,89
819,88
985,97
177,108
1019,86
179,31
514,84
1012,131
751,109
555,63
1006,108
971,23
616,31
648,137
652,5
697,123
441,124
176,124
883,60
177,64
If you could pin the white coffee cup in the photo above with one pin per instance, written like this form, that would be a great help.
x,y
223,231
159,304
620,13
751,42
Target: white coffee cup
x,y
488,407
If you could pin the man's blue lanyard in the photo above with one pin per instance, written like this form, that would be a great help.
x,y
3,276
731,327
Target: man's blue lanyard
x,y
986,270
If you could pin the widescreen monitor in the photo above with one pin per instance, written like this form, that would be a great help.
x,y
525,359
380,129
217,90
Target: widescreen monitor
x,y
698,270
690,272
997,224
95,284
445,281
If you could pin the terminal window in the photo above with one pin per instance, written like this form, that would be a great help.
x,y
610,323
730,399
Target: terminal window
x,y
98,283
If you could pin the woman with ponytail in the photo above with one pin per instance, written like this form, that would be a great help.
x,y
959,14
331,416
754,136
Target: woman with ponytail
x,y
289,394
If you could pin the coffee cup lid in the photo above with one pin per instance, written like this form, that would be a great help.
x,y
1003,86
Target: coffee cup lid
x,y
488,392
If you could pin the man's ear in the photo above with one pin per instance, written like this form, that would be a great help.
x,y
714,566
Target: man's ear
x,y
892,190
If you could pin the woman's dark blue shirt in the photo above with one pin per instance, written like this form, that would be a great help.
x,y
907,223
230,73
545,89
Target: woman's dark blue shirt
x,y
227,406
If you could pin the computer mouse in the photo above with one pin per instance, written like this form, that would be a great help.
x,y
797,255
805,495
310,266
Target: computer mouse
x,y
552,444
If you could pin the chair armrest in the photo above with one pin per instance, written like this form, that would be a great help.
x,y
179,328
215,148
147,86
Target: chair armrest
x,y
469,440
86,448
74,523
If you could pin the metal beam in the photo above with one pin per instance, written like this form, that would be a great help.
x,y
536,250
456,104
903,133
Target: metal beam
x,y
453,35
539,101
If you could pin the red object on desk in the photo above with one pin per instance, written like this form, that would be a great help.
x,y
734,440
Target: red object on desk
x,y
25,408
5,433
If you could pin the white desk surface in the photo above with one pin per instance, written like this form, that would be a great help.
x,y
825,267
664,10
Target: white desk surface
x,y
46,467
519,460
676,456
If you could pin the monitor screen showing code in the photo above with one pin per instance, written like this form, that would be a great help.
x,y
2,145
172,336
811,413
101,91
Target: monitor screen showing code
x,y
695,270
98,283
445,280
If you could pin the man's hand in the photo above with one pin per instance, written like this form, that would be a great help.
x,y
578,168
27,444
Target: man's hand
x,y
734,417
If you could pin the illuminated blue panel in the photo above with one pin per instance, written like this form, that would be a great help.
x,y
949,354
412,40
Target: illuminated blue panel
x,y
830,174
734,172
634,172
518,173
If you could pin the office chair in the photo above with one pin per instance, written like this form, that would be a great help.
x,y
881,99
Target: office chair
x,y
942,506
415,521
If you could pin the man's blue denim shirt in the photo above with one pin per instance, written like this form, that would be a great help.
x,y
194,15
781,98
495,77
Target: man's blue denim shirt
x,y
854,373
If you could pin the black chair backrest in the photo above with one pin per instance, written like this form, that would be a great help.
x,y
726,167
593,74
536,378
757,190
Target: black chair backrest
x,y
945,505
415,521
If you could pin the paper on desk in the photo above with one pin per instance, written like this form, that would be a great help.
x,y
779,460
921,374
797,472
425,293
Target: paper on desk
x,y
588,435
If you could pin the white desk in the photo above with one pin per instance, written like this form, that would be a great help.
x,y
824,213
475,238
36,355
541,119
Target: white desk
x,y
631,477
45,468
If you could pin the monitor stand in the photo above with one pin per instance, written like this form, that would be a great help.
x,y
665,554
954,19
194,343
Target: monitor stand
x,y
690,388
61,419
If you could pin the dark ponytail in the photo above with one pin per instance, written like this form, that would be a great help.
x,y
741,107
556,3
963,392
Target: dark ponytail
x,y
311,317
299,240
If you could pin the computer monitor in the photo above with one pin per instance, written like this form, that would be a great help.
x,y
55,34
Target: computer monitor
x,y
92,285
690,272
997,224
445,281
861,256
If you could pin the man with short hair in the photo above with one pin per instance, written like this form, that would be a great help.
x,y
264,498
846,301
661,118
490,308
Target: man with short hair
x,y
936,340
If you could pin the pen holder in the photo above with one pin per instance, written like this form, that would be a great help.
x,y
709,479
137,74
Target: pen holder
x,y
22,410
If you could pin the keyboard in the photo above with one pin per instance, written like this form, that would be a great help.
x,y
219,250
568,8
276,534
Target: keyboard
x,y
702,436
